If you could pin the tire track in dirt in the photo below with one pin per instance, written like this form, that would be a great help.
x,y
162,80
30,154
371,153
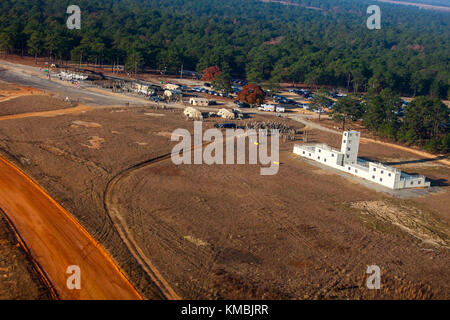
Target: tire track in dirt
x,y
110,202
111,205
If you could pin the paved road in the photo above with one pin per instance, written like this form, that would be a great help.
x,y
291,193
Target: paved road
x,y
32,77
56,241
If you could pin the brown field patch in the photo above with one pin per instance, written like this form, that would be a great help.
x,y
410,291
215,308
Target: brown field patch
x,y
411,220
10,91
30,104
95,142
86,124
292,235
154,114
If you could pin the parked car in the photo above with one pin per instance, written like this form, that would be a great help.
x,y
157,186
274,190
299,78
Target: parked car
x,y
227,125
243,105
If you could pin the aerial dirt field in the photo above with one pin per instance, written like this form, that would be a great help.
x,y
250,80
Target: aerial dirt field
x,y
226,232
11,91
31,103
73,176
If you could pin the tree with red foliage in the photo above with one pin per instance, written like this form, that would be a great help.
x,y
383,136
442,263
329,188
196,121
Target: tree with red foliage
x,y
252,94
209,74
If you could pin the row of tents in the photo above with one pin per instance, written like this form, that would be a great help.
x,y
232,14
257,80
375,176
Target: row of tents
x,y
195,114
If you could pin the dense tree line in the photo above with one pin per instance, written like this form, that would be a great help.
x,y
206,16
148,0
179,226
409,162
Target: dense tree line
x,y
264,42
424,121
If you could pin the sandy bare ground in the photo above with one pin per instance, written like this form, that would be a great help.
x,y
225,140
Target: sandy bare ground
x,y
412,221
57,241
53,113
8,91
112,204
32,103
226,233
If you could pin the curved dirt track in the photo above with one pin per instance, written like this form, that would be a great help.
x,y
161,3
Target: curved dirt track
x,y
111,202
55,241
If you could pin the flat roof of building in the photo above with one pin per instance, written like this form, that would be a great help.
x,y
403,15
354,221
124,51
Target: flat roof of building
x,y
322,146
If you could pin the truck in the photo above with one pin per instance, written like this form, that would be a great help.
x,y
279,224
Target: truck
x,y
267,107
280,109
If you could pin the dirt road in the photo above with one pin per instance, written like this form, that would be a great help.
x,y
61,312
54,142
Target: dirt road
x,y
56,241
52,113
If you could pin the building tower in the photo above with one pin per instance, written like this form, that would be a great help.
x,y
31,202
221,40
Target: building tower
x,y
350,146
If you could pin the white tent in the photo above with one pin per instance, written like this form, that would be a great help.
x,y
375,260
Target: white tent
x,y
193,113
226,114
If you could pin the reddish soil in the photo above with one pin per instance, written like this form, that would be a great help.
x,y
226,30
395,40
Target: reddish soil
x,y
226,231
31,103
56,241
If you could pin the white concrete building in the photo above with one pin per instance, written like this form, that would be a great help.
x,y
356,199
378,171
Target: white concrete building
x,y
347,160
